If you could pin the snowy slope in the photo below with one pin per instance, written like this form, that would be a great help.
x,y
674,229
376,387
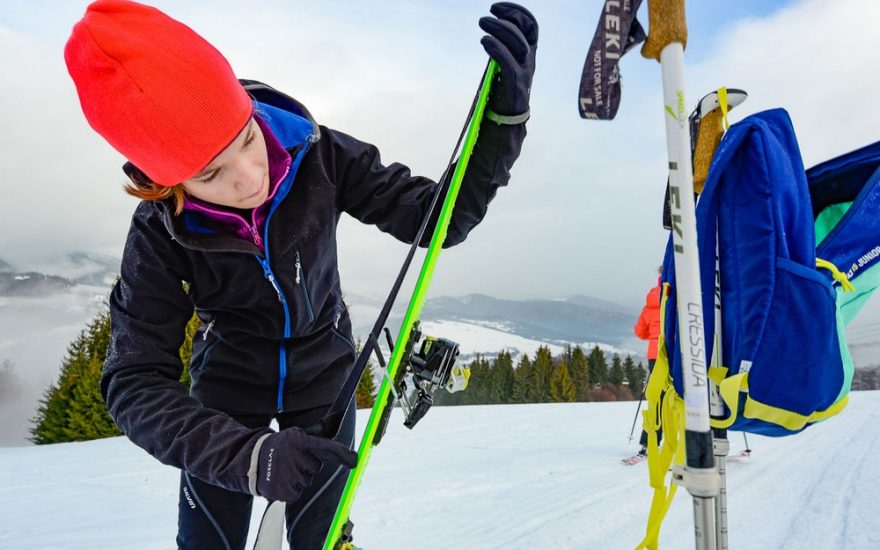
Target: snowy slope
x,y
512,477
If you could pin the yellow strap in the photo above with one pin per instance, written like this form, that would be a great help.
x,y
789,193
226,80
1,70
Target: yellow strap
x,y
725,106
788,419
733,389
717,374
837,274
730,389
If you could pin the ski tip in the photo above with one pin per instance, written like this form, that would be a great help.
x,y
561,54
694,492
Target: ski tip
x,y
633,460
710,101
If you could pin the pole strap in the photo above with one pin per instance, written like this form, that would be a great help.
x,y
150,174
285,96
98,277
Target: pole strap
x,y
508,120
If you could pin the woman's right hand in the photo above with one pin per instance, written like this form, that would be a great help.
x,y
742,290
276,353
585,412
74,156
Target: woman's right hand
x,y
288,460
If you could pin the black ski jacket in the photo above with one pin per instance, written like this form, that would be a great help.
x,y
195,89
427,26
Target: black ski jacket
x,y
275,334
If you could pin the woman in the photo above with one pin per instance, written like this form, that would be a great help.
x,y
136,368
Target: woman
x,y
241,193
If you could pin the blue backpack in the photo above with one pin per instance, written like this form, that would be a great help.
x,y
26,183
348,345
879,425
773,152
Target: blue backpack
x,y
784,301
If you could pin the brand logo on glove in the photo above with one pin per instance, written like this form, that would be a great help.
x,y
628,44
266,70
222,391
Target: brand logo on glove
x,y
269,464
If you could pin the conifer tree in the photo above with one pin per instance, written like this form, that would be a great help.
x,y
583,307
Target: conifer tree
x,y
632,376
580,373
562,388
567,353
598,367
642,373
522,380
72,409
186,349
87,416
480,384
616,374
365,394
542,372
502,378
53,411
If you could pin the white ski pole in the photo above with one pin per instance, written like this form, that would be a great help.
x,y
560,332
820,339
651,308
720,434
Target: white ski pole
x,y
666,40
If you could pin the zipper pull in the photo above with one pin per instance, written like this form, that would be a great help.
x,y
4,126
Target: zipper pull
x,y
268,274
298,268
338,317
276,287
207,330
256,235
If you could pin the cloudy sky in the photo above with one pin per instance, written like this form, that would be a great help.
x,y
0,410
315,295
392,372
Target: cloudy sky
x,y
582,212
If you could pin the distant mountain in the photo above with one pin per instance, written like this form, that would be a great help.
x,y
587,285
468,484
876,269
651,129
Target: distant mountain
x,y
32,284
85,268
601,305
576,319
6,267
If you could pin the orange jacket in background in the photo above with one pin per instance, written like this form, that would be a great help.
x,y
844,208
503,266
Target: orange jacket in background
x,y
648,325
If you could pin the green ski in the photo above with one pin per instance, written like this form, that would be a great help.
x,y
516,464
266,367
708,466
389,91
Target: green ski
x,y
432,366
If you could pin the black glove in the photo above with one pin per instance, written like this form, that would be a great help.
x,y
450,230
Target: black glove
x,y
512,40
289,459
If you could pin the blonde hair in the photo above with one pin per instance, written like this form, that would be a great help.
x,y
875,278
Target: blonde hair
x,y
142,187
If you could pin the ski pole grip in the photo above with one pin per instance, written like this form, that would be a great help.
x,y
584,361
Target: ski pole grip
x,y
708,139
666,24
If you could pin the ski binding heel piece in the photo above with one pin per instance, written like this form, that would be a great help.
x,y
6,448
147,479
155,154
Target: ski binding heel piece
x,y
432,368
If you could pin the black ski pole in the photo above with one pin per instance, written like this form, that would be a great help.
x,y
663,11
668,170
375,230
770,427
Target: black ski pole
x,y
641,398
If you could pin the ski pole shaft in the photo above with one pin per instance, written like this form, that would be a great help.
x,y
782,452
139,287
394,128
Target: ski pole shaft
x,y
722,449
668,35
632,430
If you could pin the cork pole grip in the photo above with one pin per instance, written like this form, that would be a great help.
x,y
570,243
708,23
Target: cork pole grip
x,y
666,24
708,139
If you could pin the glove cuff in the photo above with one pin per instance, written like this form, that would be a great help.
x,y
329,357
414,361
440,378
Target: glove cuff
x,y
509,120
253,472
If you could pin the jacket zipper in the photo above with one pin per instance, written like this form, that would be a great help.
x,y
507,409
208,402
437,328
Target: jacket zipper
x,y
301,281
270,276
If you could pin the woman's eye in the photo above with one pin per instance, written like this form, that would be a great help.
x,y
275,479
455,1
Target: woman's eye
x,y
213,175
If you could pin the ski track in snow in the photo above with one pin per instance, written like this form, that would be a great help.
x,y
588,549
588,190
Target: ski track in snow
x,y
504,476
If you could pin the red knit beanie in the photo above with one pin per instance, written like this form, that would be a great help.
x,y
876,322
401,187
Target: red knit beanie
x,y
154,89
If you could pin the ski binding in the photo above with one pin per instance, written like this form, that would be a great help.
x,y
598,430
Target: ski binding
x,y
431,368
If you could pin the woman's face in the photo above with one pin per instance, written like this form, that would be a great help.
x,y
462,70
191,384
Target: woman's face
x,y
239,176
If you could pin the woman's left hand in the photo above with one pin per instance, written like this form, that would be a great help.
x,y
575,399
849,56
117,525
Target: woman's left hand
x,y
511,41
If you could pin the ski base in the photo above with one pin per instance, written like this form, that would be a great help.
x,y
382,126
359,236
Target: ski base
x,y
271,533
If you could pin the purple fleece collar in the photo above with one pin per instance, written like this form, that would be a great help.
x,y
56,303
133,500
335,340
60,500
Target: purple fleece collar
x,y
232,221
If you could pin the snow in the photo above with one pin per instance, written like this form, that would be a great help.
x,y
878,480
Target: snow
x,y
505,476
